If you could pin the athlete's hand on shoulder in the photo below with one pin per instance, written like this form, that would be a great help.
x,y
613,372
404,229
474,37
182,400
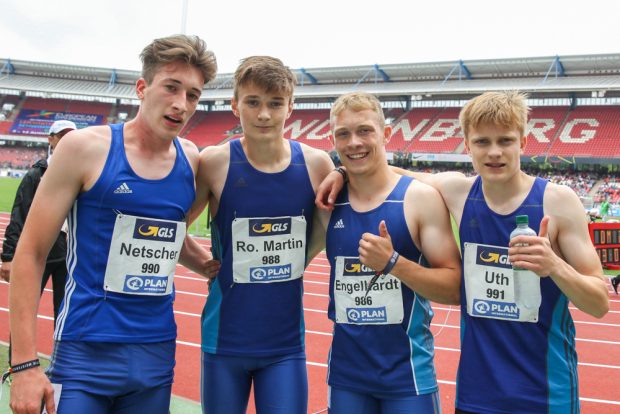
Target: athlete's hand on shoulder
x,y
328,190
534,252
28,389
5,271
375,250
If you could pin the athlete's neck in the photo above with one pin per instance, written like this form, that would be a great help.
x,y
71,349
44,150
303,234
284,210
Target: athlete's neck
x,y
268,156
140,135
370,189
506,196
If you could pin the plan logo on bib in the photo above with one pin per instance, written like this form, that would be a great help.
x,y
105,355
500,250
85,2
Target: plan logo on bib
x,y
155,230
495,309
270,273
146,284
270,226
367,315
493,256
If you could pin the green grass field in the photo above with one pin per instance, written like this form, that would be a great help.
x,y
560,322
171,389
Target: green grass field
x,y
8,188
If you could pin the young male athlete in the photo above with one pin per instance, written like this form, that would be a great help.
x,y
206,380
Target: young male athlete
x,y
126,189
381,359
514,358
260,189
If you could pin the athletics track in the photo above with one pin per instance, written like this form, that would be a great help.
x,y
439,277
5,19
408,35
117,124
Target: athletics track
x,y
598,341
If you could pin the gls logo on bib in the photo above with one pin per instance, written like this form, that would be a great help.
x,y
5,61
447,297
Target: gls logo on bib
x,y
270,226
493,256
155,230
353,267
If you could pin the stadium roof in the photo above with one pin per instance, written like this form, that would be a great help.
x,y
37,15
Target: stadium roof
x,y
550,76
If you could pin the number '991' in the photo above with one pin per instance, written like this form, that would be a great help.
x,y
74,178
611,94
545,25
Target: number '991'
x,y
495,294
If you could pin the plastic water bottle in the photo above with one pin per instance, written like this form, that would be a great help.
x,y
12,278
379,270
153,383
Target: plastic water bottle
x,y
527,283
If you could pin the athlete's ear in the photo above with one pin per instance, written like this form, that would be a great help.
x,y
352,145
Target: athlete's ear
x,y
466,142
523,143
330,137
290,107
140,86
235,108
387,134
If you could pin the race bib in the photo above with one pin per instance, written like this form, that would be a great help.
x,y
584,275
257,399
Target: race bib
x,y
384,303
143,255
268,249
490,285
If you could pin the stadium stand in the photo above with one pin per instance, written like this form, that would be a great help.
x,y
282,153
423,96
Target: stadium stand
x,y
573,129
310,127
210,128
589,132
83,107
45,104
20,157
5,126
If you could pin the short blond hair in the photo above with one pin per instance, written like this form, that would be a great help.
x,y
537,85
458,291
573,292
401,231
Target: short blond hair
x,y
357,101
266,72
507,109
178,48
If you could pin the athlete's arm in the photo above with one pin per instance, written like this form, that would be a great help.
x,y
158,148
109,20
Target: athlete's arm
x,y
317,236
563,251
198,259
210,179
319,165
76,164
328,190
430,228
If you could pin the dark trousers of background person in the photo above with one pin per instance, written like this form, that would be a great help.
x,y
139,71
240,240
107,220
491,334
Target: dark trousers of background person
x,y
58,272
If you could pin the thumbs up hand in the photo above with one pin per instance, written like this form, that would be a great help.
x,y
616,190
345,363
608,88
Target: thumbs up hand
x,y
375,250
534,252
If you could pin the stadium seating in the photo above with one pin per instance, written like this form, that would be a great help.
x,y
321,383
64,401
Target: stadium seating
x,y
553,131
210,128
310,127
21,157
590,132
95,108
44,104
543,128
5,126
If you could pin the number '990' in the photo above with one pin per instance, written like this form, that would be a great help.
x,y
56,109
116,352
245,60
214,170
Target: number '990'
x,y
150,268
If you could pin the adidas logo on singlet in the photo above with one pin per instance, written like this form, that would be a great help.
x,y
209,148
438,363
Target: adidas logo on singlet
x,y
339,224
241,182
123,189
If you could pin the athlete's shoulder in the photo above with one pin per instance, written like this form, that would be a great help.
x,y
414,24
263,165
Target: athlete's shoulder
x,y
215,153
213,162
559,197
93,140
421,193
191,151
188,146
454,178
317,160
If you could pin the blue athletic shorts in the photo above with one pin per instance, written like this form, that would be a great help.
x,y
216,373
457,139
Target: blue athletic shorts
x,y
104,377
280,384
347,402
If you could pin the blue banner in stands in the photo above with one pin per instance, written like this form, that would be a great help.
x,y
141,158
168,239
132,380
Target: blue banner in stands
x,y
36,122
